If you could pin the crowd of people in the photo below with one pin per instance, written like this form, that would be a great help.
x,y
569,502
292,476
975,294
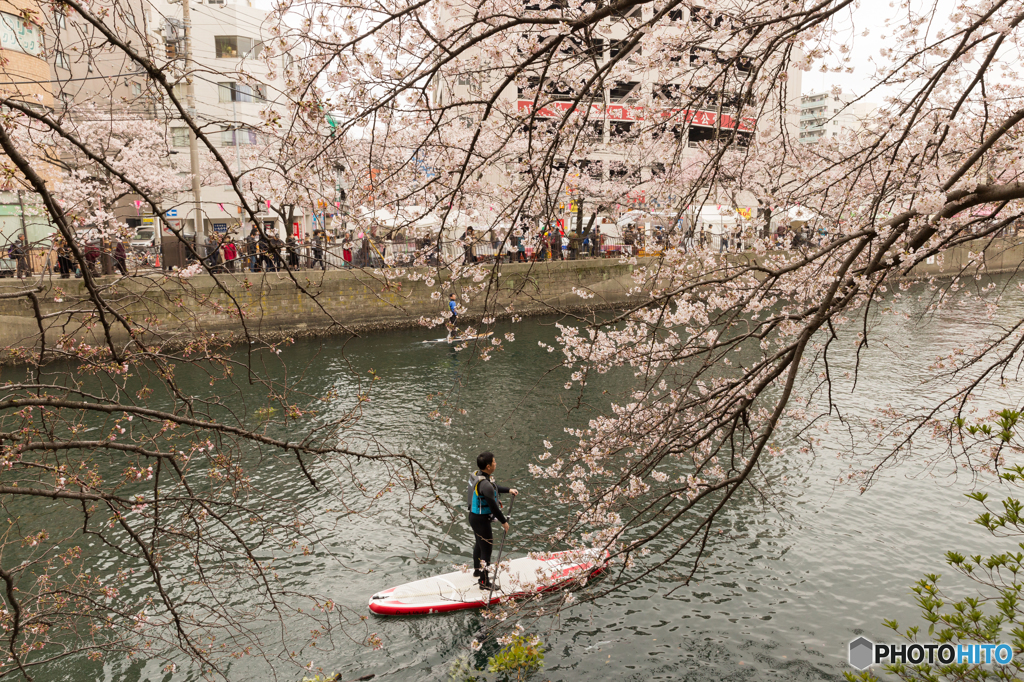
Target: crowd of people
x,y
266,251
263,251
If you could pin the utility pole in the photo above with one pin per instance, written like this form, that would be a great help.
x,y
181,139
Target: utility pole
x,y
193,142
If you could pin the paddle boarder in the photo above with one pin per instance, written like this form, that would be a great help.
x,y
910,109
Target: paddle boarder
x,y
453,318
482,499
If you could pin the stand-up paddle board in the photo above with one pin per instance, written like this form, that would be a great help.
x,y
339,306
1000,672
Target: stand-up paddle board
x,y
462,339
516,579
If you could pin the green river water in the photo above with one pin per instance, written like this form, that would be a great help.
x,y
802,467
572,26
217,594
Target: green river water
x,y
782,591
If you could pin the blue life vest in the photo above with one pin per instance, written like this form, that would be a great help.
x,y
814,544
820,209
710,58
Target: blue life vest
x,y
476,503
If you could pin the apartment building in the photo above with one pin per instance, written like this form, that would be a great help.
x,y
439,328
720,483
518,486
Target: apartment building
x,y
231,88
646,100
827,114
24,77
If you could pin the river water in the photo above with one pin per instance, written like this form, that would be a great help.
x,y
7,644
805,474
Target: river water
x,y
785,586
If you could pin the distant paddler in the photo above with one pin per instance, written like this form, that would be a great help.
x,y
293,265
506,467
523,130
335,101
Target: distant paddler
x,y
453,317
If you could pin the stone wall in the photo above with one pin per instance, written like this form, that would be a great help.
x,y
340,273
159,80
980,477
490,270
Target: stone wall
x,y
276,305
305,302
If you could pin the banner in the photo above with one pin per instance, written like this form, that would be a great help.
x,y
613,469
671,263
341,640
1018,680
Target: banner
x,y
621,112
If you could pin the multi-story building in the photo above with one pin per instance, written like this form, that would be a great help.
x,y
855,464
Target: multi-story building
x,y
646,99
827,114
230,84
227,38
25,77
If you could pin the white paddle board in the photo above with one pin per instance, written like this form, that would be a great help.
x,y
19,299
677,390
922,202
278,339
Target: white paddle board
x,y
459,339
517,578
462,339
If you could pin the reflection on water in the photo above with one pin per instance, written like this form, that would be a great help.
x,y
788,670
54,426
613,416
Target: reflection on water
x,y
780,594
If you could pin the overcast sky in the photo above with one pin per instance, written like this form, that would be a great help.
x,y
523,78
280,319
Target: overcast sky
x,y
871,16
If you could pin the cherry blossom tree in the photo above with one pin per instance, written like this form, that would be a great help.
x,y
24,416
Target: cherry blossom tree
x,y
507,100
490,109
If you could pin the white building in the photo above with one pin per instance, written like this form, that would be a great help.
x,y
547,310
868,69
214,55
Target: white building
x,y
826,114
231,88
626,114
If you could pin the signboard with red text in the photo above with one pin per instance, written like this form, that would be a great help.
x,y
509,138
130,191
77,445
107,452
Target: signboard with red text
x,y
622,112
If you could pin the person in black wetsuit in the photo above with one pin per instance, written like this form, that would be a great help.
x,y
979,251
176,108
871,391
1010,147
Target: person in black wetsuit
x,y
482,499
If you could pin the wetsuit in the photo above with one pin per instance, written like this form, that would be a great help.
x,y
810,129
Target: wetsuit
x,y
481,523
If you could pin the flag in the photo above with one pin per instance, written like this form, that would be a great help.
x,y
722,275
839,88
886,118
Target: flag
x,y
268,204
222,207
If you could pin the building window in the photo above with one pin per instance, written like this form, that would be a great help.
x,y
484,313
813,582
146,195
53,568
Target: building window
x,y
620,171
592,168
60,60
234,92
136,89
179,137
622,130
233,47
470,82
624,91
243,137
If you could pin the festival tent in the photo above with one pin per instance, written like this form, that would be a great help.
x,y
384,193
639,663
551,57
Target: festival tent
x,y
716,218
794,217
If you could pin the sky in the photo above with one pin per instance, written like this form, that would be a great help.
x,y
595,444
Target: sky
x,y
871,16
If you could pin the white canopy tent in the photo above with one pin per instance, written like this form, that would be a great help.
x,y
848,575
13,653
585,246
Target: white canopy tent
x,y
794,217
715,219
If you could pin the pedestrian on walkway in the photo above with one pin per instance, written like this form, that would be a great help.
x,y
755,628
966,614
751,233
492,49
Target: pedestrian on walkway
x,y
318,251
346,250
18,251
64,265
276,248
293,252
121,257
252,249
230,254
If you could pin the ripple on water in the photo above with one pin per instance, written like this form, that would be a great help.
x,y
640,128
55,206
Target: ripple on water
x,y
778,596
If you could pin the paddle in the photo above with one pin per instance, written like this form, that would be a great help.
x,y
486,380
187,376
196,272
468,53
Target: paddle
x,y
500,550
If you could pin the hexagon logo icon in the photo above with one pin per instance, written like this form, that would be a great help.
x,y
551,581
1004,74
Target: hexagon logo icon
x,y
861,653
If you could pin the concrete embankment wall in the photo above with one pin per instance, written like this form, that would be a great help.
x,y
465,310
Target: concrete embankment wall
x,y
313,302
301,303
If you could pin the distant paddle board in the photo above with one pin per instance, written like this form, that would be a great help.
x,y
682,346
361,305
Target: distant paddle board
x,y
517,579
461,339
